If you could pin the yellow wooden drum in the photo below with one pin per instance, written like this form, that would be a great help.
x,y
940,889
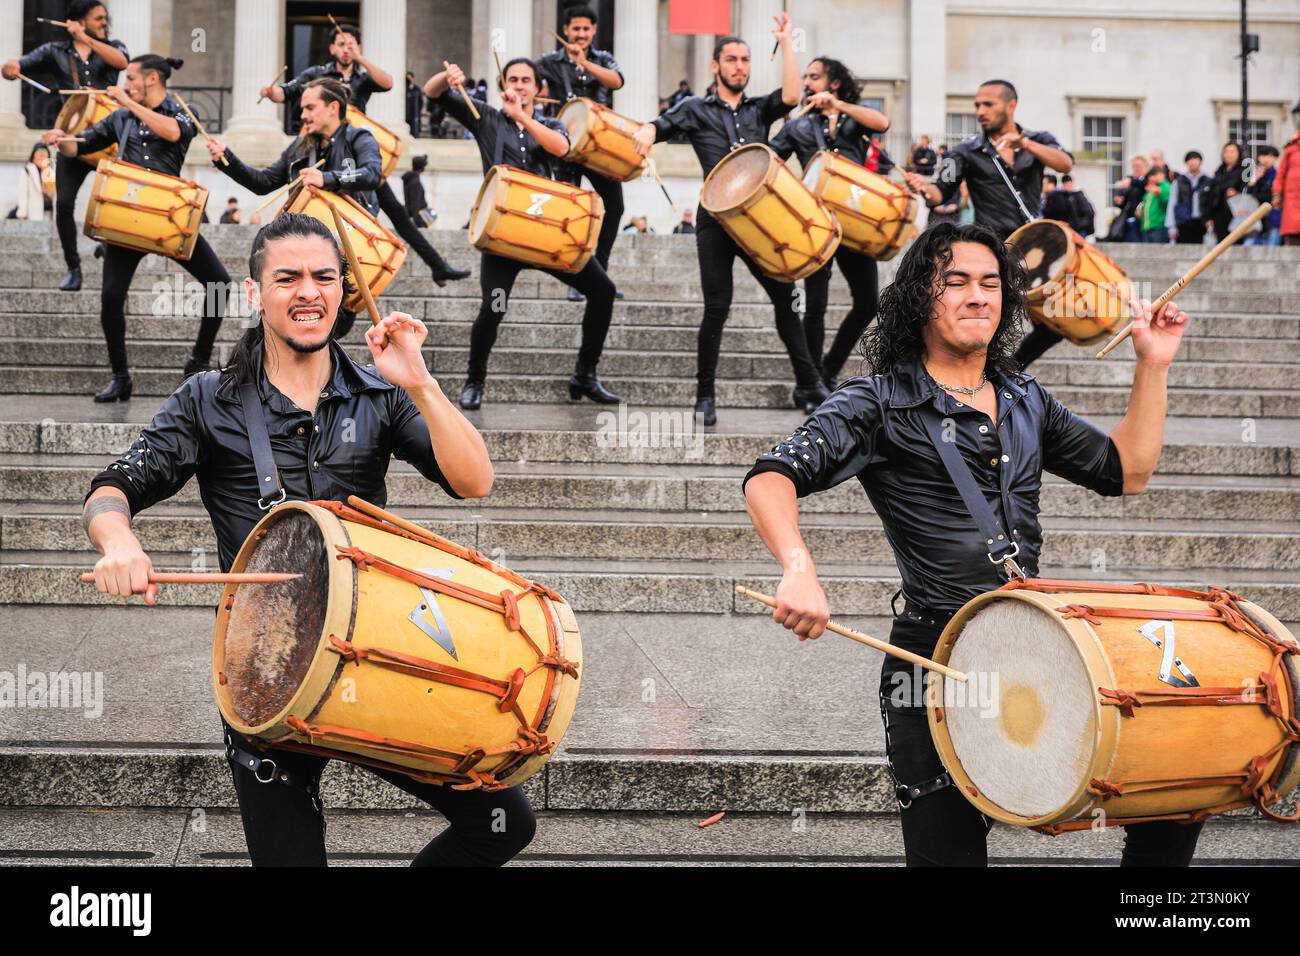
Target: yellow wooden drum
x,y
380,252
1074,288
545,223
396,649
1096,704
771,214
142,209
601,140
81,111
390,146
875,213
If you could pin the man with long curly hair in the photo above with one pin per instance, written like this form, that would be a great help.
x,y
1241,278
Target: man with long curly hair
x,y
942,354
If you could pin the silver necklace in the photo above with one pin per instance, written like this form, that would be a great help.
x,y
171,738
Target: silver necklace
x,y
959,389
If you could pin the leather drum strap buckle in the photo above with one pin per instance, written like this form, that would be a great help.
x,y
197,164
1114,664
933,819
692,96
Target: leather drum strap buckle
x,y
1008,564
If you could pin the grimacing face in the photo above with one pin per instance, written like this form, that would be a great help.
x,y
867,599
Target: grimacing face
x,y
319,115
137,81
96,22
299,291
815,79
966,313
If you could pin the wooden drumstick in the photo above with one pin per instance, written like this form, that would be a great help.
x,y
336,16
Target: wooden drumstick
x,y
337,28
879,645
28,80
277,79
460,88
800,111
354,264
1192,273
197,125
502,74
199,577
53,23
285,188
654,170
776,45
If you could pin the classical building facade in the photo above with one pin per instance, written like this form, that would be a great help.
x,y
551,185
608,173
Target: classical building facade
x,y
1110,79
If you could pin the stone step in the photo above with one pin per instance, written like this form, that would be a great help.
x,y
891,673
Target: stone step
x,y
680,392
672,585
585,433
67,836
33,356
1155,545
669,488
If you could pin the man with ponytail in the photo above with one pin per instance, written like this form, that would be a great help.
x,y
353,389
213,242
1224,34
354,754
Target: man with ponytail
x,y
85,58
151,130
333,424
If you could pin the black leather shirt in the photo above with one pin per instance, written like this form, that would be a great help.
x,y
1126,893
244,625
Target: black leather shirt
x,y
343,449
352,165
361,83
564,81
500,139
137,143
715,129
58,61
872,428
801,138
973,160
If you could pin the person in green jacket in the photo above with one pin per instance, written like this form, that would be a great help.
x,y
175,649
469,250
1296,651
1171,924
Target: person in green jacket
x,y
1155,206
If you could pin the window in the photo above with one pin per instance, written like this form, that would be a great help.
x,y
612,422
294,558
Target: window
x,y
1256,135
960,126
873,102
1103,141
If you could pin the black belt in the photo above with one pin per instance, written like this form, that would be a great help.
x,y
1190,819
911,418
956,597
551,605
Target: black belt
x,y
917,612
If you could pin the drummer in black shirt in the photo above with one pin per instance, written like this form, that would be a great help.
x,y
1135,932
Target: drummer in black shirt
x,y
1022,155
715,125
580,70
150,130
515,136
839,123
943,371
364,77
87,58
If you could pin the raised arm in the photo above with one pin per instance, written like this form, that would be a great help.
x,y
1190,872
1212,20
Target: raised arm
x,y
791,79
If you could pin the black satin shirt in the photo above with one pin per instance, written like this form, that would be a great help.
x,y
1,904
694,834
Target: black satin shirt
x,y
800,138
353,166
137,143
343,449
871,428
976,161
564,81
360,83
58,61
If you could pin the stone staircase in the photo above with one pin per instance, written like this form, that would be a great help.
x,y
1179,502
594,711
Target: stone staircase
x,y
693,701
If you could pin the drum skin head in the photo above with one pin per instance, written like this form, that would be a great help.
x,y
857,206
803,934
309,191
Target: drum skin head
x,y
574,116
274,629
736,178
1046,249
484,204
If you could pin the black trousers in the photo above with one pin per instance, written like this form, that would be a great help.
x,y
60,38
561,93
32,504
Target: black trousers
x,y
119,269
941,828
411,234
1192,232
863,278
285,826
69,174
1038,341
718,252
610,192
497,277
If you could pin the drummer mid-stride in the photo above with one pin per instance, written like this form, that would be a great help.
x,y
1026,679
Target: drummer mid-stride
x,y
715,125
990,163
944,375
334,423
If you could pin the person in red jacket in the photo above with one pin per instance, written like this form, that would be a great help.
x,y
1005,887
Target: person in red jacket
x,y
1286,190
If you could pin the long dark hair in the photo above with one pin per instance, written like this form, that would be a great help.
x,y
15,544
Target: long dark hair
x,y
289,226
850,91
905,304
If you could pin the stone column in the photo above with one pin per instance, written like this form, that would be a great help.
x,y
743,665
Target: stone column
x,y
383,35
636,47
11,93
926,71
756,25
254,131
131,21
701,56
509,34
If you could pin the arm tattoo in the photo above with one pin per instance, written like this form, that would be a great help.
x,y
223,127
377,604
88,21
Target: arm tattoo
x,y
102,504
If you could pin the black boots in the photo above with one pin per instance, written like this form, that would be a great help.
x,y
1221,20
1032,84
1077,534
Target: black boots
x,y
442,273
706,413
195,364
584,382
809,398
71,281
472,396
118,390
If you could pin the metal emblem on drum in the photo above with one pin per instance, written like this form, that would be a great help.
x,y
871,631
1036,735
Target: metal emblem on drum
x,y
132,194
1161,634
856,193
439,631
539,200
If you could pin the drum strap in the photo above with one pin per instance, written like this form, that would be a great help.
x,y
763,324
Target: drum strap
x,y
990,527
817,131
265,770
730,122
1001,167
270,489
